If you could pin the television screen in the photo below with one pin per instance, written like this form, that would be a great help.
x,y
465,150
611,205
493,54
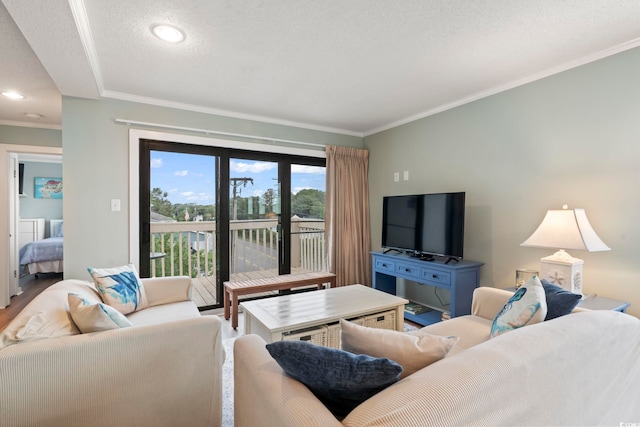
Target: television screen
x,y
431,224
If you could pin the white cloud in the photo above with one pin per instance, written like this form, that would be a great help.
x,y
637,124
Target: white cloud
x,y
201,198
307,169
181,173
255,167
295,190
156,163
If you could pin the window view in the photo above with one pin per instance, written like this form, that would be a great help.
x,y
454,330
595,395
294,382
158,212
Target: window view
x,y
183,220
307,218
254,191
275,210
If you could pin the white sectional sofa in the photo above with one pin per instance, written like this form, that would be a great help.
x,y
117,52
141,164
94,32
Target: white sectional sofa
x,y
166,370
578,369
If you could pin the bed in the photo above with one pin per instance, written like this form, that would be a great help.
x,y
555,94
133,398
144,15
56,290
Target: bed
x,y
44,256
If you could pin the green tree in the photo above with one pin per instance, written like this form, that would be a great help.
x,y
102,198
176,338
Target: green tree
x,y
308,203
160,204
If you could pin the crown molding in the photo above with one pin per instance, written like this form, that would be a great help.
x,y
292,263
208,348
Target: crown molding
x,y
30,124
84,30
225,113
511,85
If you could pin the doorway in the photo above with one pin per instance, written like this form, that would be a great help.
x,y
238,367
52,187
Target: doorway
x,y
9,192
219,213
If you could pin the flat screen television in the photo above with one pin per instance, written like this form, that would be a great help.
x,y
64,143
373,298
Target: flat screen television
x,y
424,225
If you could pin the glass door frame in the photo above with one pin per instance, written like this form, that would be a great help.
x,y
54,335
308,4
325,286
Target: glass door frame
x,y
223,156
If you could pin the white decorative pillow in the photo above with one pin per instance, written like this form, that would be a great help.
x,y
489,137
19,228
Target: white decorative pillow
x,y
90,316
526,307
120,287
412,350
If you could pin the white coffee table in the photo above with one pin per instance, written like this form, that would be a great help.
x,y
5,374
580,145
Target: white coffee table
x,y
270,318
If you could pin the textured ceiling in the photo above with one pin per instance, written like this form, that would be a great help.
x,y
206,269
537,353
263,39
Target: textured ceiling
x,y
354,67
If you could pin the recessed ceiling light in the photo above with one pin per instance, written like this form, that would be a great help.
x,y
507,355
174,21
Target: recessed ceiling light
x,y
33,115
168,33
12,95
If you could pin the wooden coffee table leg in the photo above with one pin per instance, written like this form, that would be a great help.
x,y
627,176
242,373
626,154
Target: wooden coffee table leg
x,y
226,304
234,311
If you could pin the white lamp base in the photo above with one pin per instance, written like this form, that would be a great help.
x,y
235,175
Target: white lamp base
x,y
563,270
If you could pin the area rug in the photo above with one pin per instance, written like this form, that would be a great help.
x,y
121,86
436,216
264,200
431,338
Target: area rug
x,y
227,383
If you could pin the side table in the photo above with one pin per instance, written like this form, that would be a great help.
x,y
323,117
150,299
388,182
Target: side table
x,y
595,302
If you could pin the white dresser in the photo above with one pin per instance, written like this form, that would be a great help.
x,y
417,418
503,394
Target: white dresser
x,y
30,230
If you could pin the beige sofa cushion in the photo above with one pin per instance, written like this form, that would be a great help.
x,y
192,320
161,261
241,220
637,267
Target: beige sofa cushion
x,y
413,350
47,317
164,313
472,330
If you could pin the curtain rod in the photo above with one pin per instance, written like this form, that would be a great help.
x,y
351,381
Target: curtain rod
x,y
215,132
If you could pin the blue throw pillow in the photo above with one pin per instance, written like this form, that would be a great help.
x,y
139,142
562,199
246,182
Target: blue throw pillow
x,y
341,380
559,300
120,287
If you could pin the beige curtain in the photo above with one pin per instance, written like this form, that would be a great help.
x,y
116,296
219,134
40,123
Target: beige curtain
x,y
348,226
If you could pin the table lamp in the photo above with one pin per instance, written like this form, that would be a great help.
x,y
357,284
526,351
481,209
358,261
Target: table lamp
x,y
565,229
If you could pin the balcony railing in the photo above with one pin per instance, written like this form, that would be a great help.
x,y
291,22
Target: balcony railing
x,y
189,248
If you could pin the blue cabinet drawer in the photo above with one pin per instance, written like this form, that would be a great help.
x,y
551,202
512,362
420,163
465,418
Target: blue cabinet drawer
x,y
408,270
437,276
382,265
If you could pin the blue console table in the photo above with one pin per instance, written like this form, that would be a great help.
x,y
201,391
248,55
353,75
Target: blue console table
x,y
459,278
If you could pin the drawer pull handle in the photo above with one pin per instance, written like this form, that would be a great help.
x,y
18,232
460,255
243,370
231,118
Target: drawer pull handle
x,y
384,265
434,276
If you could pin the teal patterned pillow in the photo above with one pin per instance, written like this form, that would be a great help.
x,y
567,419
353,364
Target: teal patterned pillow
x,y
120,287
526,307
94,316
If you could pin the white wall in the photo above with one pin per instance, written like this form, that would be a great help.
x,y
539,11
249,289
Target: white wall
x,y
570,138
96,161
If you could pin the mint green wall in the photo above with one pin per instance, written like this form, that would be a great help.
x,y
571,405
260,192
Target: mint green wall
x,y
570,138
30,136
30,207
96,170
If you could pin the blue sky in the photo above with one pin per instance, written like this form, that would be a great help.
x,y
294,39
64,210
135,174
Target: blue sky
x,y
190,178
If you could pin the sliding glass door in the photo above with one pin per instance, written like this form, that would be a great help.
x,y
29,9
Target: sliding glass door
x,y
218,214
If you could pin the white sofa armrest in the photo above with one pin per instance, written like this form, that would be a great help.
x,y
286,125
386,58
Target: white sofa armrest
x,y
487,302
167,374
265,396
165,290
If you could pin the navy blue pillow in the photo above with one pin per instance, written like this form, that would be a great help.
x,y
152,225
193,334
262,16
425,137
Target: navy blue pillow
x,y
559,300
341,380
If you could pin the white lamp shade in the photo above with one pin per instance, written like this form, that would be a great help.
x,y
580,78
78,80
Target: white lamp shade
x,y
566,229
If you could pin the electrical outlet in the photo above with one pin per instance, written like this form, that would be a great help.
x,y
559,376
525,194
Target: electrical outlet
x,y
115,205
406,175
396,176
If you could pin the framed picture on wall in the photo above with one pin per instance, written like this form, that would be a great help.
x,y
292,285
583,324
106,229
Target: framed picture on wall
x,y
48,188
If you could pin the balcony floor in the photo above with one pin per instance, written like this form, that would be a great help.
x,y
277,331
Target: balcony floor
x,y
204,288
